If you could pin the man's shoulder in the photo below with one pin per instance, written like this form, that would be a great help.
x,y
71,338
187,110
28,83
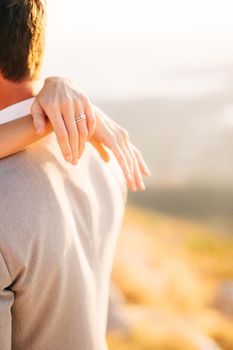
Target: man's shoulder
x,y
39,169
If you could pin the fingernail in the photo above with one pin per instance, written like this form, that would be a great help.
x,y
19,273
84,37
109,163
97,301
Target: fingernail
x,y
146,169
134,187
142,186
145,166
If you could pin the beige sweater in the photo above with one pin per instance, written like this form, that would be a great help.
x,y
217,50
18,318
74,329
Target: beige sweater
x,y
58,230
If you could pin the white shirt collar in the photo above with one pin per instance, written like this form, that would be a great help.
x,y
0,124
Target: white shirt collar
x,y
16,111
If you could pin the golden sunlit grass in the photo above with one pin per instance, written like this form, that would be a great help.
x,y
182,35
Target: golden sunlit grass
x,y
168,270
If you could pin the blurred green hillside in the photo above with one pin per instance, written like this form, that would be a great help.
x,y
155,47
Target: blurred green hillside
x,y
188,144
171,273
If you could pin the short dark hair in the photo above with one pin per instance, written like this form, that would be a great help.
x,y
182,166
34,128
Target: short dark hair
x,y
22,27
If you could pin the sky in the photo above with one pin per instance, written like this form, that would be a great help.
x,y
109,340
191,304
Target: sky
x,y
131,48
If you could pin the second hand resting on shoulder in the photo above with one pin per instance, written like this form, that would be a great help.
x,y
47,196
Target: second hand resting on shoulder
x,y
54,109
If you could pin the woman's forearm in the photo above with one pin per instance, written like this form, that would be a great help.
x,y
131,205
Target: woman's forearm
x,y
19,134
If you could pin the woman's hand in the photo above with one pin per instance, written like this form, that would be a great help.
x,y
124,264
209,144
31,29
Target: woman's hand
x,y
116,138
60,101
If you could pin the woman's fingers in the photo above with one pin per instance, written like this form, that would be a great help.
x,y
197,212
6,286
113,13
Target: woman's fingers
x,y
126,147
134,159
141,162
83,135
91,119
58,99
59,128
116,150
68,112
82,127
117,139
130,161
38,117
137,171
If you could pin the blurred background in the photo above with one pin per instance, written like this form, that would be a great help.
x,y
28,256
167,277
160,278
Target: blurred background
x,y
164,70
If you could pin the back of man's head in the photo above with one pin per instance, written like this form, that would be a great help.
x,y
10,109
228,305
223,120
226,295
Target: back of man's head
x,y
22,25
